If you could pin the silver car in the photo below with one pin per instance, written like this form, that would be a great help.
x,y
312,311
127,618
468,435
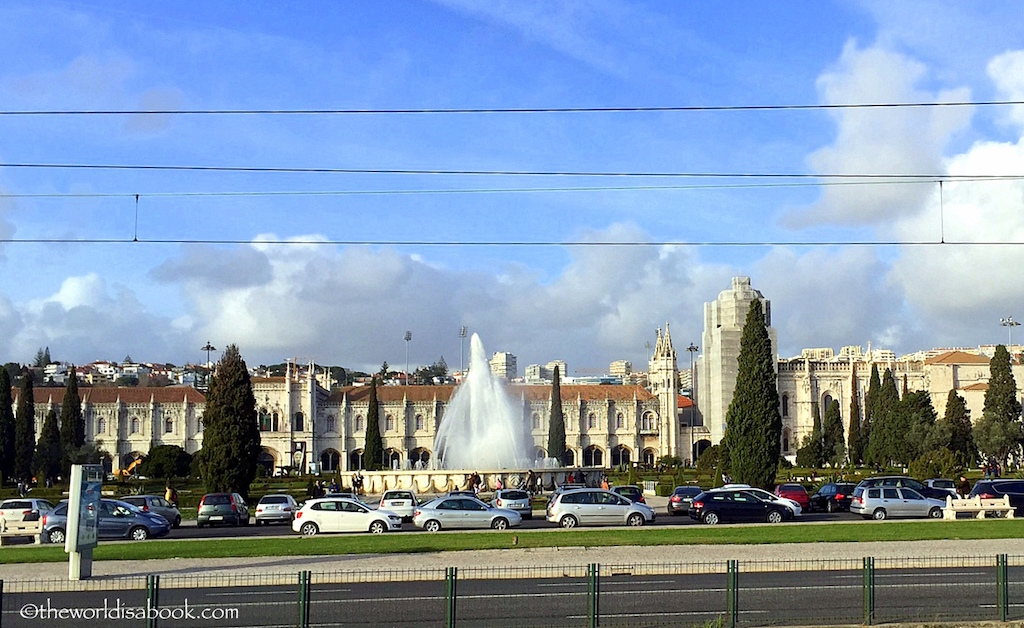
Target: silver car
x,y
514,499
460,511
280,508
882,502
157,504
594,506
399,501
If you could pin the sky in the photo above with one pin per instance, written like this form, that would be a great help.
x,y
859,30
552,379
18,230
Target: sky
x,y
308,243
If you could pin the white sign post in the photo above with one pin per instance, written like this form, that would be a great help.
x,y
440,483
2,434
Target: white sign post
x,y
83,518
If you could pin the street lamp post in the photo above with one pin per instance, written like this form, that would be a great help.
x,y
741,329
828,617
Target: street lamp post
x,y
462,350
1009,324
408,337
692,349
209,369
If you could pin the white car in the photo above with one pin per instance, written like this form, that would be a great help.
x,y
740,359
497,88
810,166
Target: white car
x,y
399,501
23,509
764,495
331,514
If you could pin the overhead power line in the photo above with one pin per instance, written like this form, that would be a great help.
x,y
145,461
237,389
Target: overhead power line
x,y
496,110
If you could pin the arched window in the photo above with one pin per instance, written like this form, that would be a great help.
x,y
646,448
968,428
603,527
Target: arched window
x,y
647,422
355,460
360,425
785,440
169,426
101,426
785,405
265,423
826,401
539,453
136,425
535,420
329,461
620,421
299,422
591,421
620,456
649,457
593,457
389,423
421,424
273,422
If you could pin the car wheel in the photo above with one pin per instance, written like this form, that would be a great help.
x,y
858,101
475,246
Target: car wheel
x,y
830,506
711,518
309,529
199,524
138,534
377,527
56,536
879,514
256,523
935,513
636,520
432,526
774,516
501,523
568,521
177,522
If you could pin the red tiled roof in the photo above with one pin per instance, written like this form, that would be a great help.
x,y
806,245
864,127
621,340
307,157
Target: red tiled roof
x,y
532,392
957,357
684,402
163,394
981,386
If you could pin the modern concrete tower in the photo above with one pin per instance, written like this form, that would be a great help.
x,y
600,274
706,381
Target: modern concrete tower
x,y
724,319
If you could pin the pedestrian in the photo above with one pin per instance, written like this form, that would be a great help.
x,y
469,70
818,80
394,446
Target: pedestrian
x,y
604,482
22,490
531,483
963,489
334,486
498,484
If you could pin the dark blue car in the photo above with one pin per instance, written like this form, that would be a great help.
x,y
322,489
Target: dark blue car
x,y
117,520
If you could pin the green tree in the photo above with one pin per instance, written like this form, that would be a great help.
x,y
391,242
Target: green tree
x,y
999,430
231,437
811,453
874,385
854,439
166,462
42,357
936,463
916,423
753,419
47,459
25,431
885,424
556,421
373,449
834,445
6,427
957,421
72,424
384,370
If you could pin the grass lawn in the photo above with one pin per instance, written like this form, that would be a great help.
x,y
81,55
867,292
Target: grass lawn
x,y
422,542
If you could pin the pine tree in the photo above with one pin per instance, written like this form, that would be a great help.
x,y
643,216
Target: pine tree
x,y
47,458
373,448
832,432
874,385
556,421
961,437
753,419
855,439
6,427
231,437
25,431
72,424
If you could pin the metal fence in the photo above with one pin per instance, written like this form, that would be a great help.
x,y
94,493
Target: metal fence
x,y
705,594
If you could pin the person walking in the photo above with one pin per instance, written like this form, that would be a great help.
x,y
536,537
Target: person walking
x,y
963,489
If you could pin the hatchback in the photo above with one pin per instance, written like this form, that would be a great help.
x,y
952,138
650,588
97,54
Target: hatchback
x,y
117,520
514,499
594,506
278,508
883,502
833,496
736,505
217,508
995,489
460,511
23,509
631,492
682,497
902,480
157,504
399,501
796,492
334,514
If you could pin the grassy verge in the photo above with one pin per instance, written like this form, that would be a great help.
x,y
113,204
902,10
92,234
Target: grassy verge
x,y
416,543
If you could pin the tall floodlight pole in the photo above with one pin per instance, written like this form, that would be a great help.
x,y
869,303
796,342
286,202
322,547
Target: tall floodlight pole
x,y
1009,324
408,337
462,350
209,369
693,350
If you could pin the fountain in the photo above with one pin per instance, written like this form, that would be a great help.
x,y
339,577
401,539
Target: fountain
x,y
481,428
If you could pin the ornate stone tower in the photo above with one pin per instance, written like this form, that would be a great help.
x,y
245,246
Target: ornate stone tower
x,y
663,378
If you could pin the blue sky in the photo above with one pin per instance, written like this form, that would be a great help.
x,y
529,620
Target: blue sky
x,y
565,291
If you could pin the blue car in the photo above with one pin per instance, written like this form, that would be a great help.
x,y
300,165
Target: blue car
x,y
117,520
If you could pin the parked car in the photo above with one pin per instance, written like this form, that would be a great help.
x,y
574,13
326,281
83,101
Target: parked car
x,y
764,495
595,506
737,505
514,499
632,492
832,497
157,504
22,509
215,508
117,520
280,508
569,486
401,502
681,498
461,511
882,502
335,514
903,480
796,492
943,484
996,488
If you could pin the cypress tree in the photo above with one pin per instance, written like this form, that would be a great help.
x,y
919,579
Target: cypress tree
x,y
48,451
753,419
874,385
6,427
25,431
832,431
999,430
231,437
915,426
854,440
373,448
556,421
72,424
886,423
961,437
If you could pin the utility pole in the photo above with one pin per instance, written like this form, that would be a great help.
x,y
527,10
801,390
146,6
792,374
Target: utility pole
x,y
209,369
408,337
462,350
693,398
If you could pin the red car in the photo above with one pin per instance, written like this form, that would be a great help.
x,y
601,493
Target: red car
x,y
796,492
